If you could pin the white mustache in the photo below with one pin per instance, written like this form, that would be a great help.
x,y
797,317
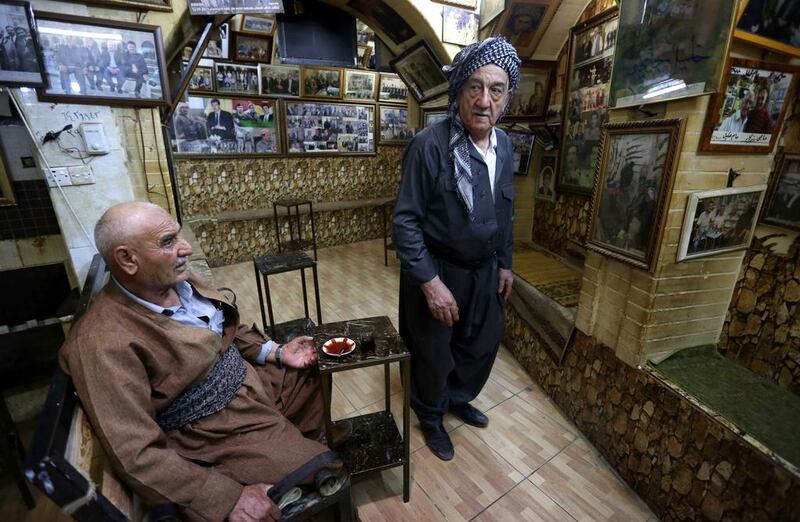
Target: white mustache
x,y
181,261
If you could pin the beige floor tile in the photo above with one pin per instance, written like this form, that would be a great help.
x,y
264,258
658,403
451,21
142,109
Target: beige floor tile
x,y
364,386
524,503
582,483
464,486
340,406
545,404
380,499
523,435
492,394
508,372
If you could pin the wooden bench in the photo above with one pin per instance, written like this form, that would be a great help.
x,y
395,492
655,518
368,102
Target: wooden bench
x,y
67,463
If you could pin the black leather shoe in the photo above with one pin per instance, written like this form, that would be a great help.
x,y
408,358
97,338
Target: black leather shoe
x,y
470,414
438,441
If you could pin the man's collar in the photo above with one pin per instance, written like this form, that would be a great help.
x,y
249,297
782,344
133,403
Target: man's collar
x,y
492,142
184,290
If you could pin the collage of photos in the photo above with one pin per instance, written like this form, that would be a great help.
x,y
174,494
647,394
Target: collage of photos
x,y
317,127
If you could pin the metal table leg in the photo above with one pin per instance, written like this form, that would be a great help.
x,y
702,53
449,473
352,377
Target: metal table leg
x,y
269,307
316,293
327,384
405,370
260,297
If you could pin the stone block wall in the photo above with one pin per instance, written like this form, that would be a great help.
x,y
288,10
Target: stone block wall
x,y
762,328
682,462
557,223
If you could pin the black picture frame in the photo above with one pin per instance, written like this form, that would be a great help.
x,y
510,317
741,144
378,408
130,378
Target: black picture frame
x,y
421,71
31,73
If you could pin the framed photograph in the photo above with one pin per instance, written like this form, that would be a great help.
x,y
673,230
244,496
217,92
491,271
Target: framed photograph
x,y
532,92
21,62
392,89
464,4
524,22
421,71
783,203
719,221
746,116
591,55
101,62
360,85
202,79
329,128
433,116
634,183
279,80
546,179
236,78
772,25
490,9
7,197
364,55
321,82
667,51
218,44
522,145
459,26
230,7
257,24
383,18
207,125
394,125
251,48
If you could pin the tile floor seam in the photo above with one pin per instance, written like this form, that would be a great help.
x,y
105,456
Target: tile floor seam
x,y
554,501
559,452
498,499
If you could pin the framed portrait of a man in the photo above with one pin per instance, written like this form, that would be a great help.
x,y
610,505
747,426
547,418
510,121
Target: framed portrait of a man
x,y
532,92
459,26
546,177
101,62
217,47
317,128
279,80
634,182
21,63
522,146
236,78
421,71
360,85
394,128
719,221
321,82
667,50
773,25
746,115
524,22
783,202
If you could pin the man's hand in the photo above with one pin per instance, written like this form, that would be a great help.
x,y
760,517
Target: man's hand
x,y
441,302
254,505
300,352
505,278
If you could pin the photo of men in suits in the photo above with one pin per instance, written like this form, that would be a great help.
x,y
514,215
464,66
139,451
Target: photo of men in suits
x,y
219,123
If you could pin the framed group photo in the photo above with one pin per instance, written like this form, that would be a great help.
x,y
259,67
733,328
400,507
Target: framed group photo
x,y
782,208
101,62
279,80
394,129
21,62
524,22
360,85
257,24
321,82
719,221
251,48
236,78
421,71
771,25
634,183
746,115
392,89
532,92
202,78
329,128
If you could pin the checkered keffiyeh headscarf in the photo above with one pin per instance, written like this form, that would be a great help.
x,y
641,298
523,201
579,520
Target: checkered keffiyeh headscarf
x,y
497,51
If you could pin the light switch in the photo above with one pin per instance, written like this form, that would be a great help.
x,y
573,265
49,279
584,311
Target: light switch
x,y
94,137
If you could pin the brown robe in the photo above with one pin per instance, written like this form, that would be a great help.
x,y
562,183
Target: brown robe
x,y
129,363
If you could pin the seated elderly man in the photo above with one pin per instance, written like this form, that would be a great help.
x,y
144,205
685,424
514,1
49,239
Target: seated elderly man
x,y
191,406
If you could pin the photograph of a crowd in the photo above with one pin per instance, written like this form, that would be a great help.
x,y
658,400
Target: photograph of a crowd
x,y
20,60
394,126
328,127
236,78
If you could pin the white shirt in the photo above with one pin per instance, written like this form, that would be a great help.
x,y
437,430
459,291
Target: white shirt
x,y
489,156
733,123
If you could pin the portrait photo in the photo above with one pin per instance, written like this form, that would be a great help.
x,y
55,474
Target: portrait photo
x,y
392,89
432,117
772,25
202,79
421,71
321,82
210,125
667,50
719,221
218,43
524,22
257,24
633,185
533,91
88,61
279,80
782,208
394,125
459,26
546,179
236,78
251,48
21,62
360,85
522,145
329,128
746,115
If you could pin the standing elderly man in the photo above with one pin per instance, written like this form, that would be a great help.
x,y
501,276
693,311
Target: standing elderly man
x,y
452,230
191,407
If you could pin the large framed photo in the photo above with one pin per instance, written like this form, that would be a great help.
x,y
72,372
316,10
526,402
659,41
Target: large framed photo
x,y
522,145
251,48
329,128
421,71
21,62
236,78
668,50
783,204
524,22
459,26
719,221
257,24
321,82
746,116
101,62
546,179
392,89
532,92
279,80
206,125
394,125
360,85
772,25
634,183
490,9
591,55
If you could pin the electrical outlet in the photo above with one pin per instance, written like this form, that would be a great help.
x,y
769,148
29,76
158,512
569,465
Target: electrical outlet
x,y
58,176
81,175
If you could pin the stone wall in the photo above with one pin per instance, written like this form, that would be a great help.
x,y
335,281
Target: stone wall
x,y
557,223
762,329
685,464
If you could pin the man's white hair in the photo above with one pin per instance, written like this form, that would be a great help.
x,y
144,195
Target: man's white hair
x,y
117,226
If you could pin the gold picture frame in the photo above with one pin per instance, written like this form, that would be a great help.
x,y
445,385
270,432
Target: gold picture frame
x,y
316,79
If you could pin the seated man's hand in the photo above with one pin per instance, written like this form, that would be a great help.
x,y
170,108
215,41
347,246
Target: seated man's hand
x,y
300,352
254,505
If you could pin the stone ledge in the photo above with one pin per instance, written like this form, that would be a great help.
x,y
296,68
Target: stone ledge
x,y
326,206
